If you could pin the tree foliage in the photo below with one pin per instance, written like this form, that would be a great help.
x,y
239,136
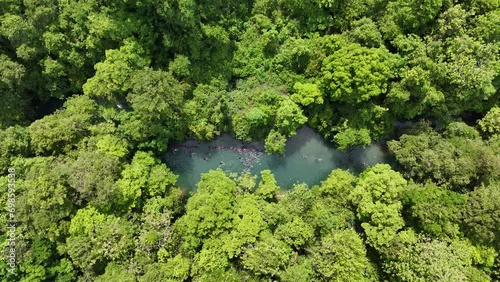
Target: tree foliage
x,y
94,93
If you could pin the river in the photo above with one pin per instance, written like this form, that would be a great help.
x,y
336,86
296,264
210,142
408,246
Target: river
x,y
308,158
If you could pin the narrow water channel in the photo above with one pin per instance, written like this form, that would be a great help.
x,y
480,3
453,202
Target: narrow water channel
x,y
308,158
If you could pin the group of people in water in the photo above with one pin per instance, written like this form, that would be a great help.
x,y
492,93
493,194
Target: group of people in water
x,y
239,150
250,159
317,159
251,155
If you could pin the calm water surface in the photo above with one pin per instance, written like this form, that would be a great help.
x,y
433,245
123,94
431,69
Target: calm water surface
x,y
308,158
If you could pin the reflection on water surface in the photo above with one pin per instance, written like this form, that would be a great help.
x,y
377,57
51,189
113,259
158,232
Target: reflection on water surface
x,y
308,158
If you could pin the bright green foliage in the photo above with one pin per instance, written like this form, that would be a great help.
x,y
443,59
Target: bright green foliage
x,y
96,237
267,188
35,265
175,269
327,216
424,259
267,256
15,143
248,223
156,229
246,125
246,182
211,258
230,274
94,202
354,80
332,209
289,118
300,272
376,196
338,185
259,108
275,142
40,262
297,57
257,44
209,211
143,176
469,68
298,201
488,26
307,93
354,74
158,88
351,137
344,12
436,211
308,13
296,233
113,76
112,146
414,93
490,124
64,270
180,66
341,256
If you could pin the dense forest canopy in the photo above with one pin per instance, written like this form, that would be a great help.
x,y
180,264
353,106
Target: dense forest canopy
x,y
94,201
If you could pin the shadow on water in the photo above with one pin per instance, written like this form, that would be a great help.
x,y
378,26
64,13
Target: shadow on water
x,y
308,158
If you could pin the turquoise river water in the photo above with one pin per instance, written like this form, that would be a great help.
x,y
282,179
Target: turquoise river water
x,y
308,158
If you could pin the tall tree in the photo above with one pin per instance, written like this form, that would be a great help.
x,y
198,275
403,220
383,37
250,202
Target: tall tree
x,y
377,197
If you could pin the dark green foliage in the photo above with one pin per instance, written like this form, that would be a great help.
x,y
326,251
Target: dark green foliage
x,y
94,202
13,107
206,113
92,175
459,161
436,211
481,215
156,98
59,132
44,201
